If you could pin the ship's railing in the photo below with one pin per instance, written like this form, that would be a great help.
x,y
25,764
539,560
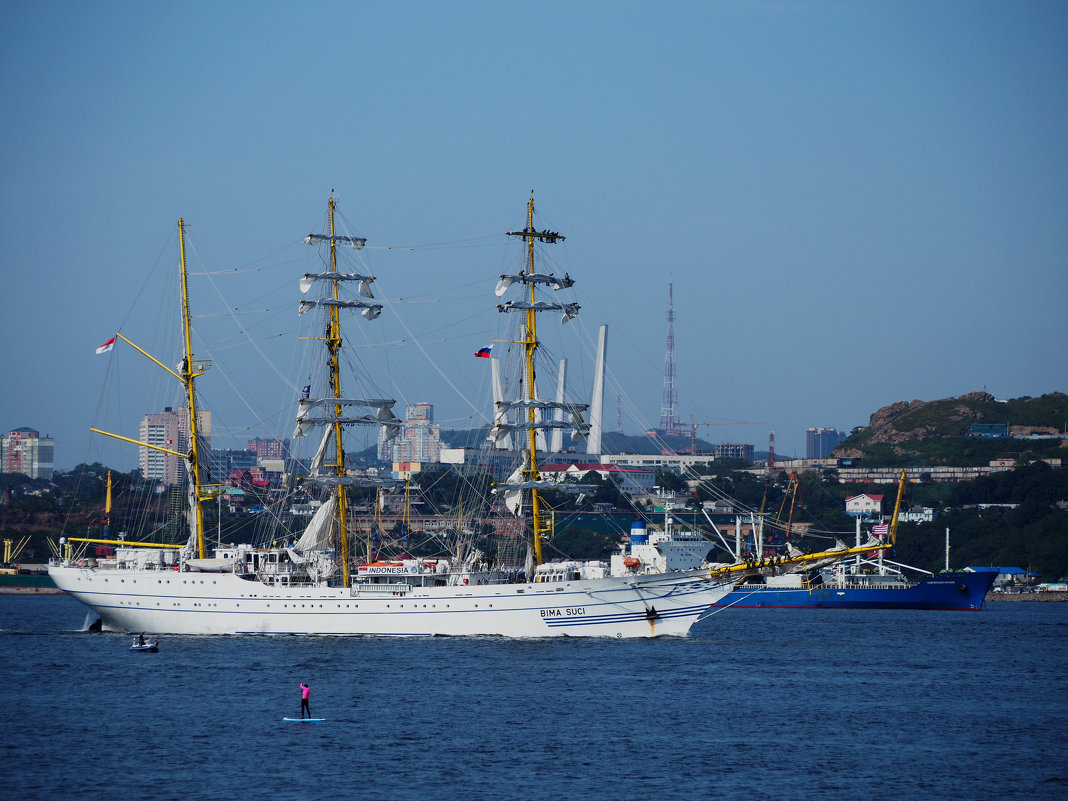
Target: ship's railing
x,y
893,584
361,588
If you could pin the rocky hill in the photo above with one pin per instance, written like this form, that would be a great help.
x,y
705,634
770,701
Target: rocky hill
x,y
938,431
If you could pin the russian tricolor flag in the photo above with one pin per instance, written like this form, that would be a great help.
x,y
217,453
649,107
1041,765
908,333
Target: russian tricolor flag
x,y
484,353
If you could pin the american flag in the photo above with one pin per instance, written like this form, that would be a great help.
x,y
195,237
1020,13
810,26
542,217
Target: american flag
x,y
881,530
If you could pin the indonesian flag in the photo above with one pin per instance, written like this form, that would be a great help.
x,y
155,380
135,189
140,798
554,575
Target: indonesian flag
x,y
106,346
484,353
881,530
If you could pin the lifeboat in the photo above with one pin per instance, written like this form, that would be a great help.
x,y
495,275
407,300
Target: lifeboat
x,y
632,561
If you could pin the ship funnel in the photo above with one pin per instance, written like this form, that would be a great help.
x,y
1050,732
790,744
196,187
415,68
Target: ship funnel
x,y
638,535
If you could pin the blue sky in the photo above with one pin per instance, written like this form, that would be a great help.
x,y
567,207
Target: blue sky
x,y
857,203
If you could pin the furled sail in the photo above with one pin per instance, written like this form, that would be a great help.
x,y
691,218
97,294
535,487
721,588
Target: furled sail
x,y
316,536
194,508
498,395
320,455
370,310
570,310
533,278
515,485
354,242
363,288
502,427
501,430
383,414
350,481
574,409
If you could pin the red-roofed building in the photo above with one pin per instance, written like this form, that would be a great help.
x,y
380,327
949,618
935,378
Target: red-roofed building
x,y
631,482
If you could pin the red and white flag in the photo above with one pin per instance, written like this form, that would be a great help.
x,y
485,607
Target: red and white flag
x,y
881,530
106,346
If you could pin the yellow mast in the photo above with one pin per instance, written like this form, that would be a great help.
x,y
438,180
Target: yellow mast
x,y
530,345
406,516
189,373
897,507
376,525
793,500
333,345
107,509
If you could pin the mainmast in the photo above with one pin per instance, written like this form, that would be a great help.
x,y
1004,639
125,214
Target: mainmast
x,y
330,411
333,346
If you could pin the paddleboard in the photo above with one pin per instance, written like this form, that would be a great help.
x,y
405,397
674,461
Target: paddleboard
x,y
306,720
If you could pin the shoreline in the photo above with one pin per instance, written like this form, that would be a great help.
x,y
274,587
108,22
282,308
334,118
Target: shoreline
x,y
15,590
1026,596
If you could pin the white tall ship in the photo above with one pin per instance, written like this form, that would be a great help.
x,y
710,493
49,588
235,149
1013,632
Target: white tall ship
x,y
315,586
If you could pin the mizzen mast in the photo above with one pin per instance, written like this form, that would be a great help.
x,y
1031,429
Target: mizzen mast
x,y
188,374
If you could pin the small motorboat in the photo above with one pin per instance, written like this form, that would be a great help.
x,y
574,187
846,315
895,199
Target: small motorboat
x,y
141,644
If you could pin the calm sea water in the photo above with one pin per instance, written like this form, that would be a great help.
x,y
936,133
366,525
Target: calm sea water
x,y
781,704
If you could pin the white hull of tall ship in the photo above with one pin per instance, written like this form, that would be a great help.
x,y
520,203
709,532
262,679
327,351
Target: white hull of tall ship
x,y
172,602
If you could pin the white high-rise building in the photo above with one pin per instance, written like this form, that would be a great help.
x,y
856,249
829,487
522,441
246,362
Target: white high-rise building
x,y
170,429
419,439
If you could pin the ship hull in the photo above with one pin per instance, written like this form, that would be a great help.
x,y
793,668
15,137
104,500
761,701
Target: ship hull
x,y
963,591
172,602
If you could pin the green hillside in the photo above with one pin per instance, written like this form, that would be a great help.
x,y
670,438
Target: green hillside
x,y
937,432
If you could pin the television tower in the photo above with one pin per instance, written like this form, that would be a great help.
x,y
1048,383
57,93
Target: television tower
x,y
669,406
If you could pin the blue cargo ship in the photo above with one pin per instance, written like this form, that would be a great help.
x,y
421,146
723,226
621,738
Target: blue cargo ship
x,y
867,583
840,589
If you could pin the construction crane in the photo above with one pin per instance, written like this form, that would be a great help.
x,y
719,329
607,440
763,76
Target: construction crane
x,y
694,424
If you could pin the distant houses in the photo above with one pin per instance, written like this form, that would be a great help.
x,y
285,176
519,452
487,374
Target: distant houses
x,y
864,505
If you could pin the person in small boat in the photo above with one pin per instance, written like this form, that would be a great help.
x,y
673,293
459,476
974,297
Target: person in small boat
x,y
305,694
141,638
